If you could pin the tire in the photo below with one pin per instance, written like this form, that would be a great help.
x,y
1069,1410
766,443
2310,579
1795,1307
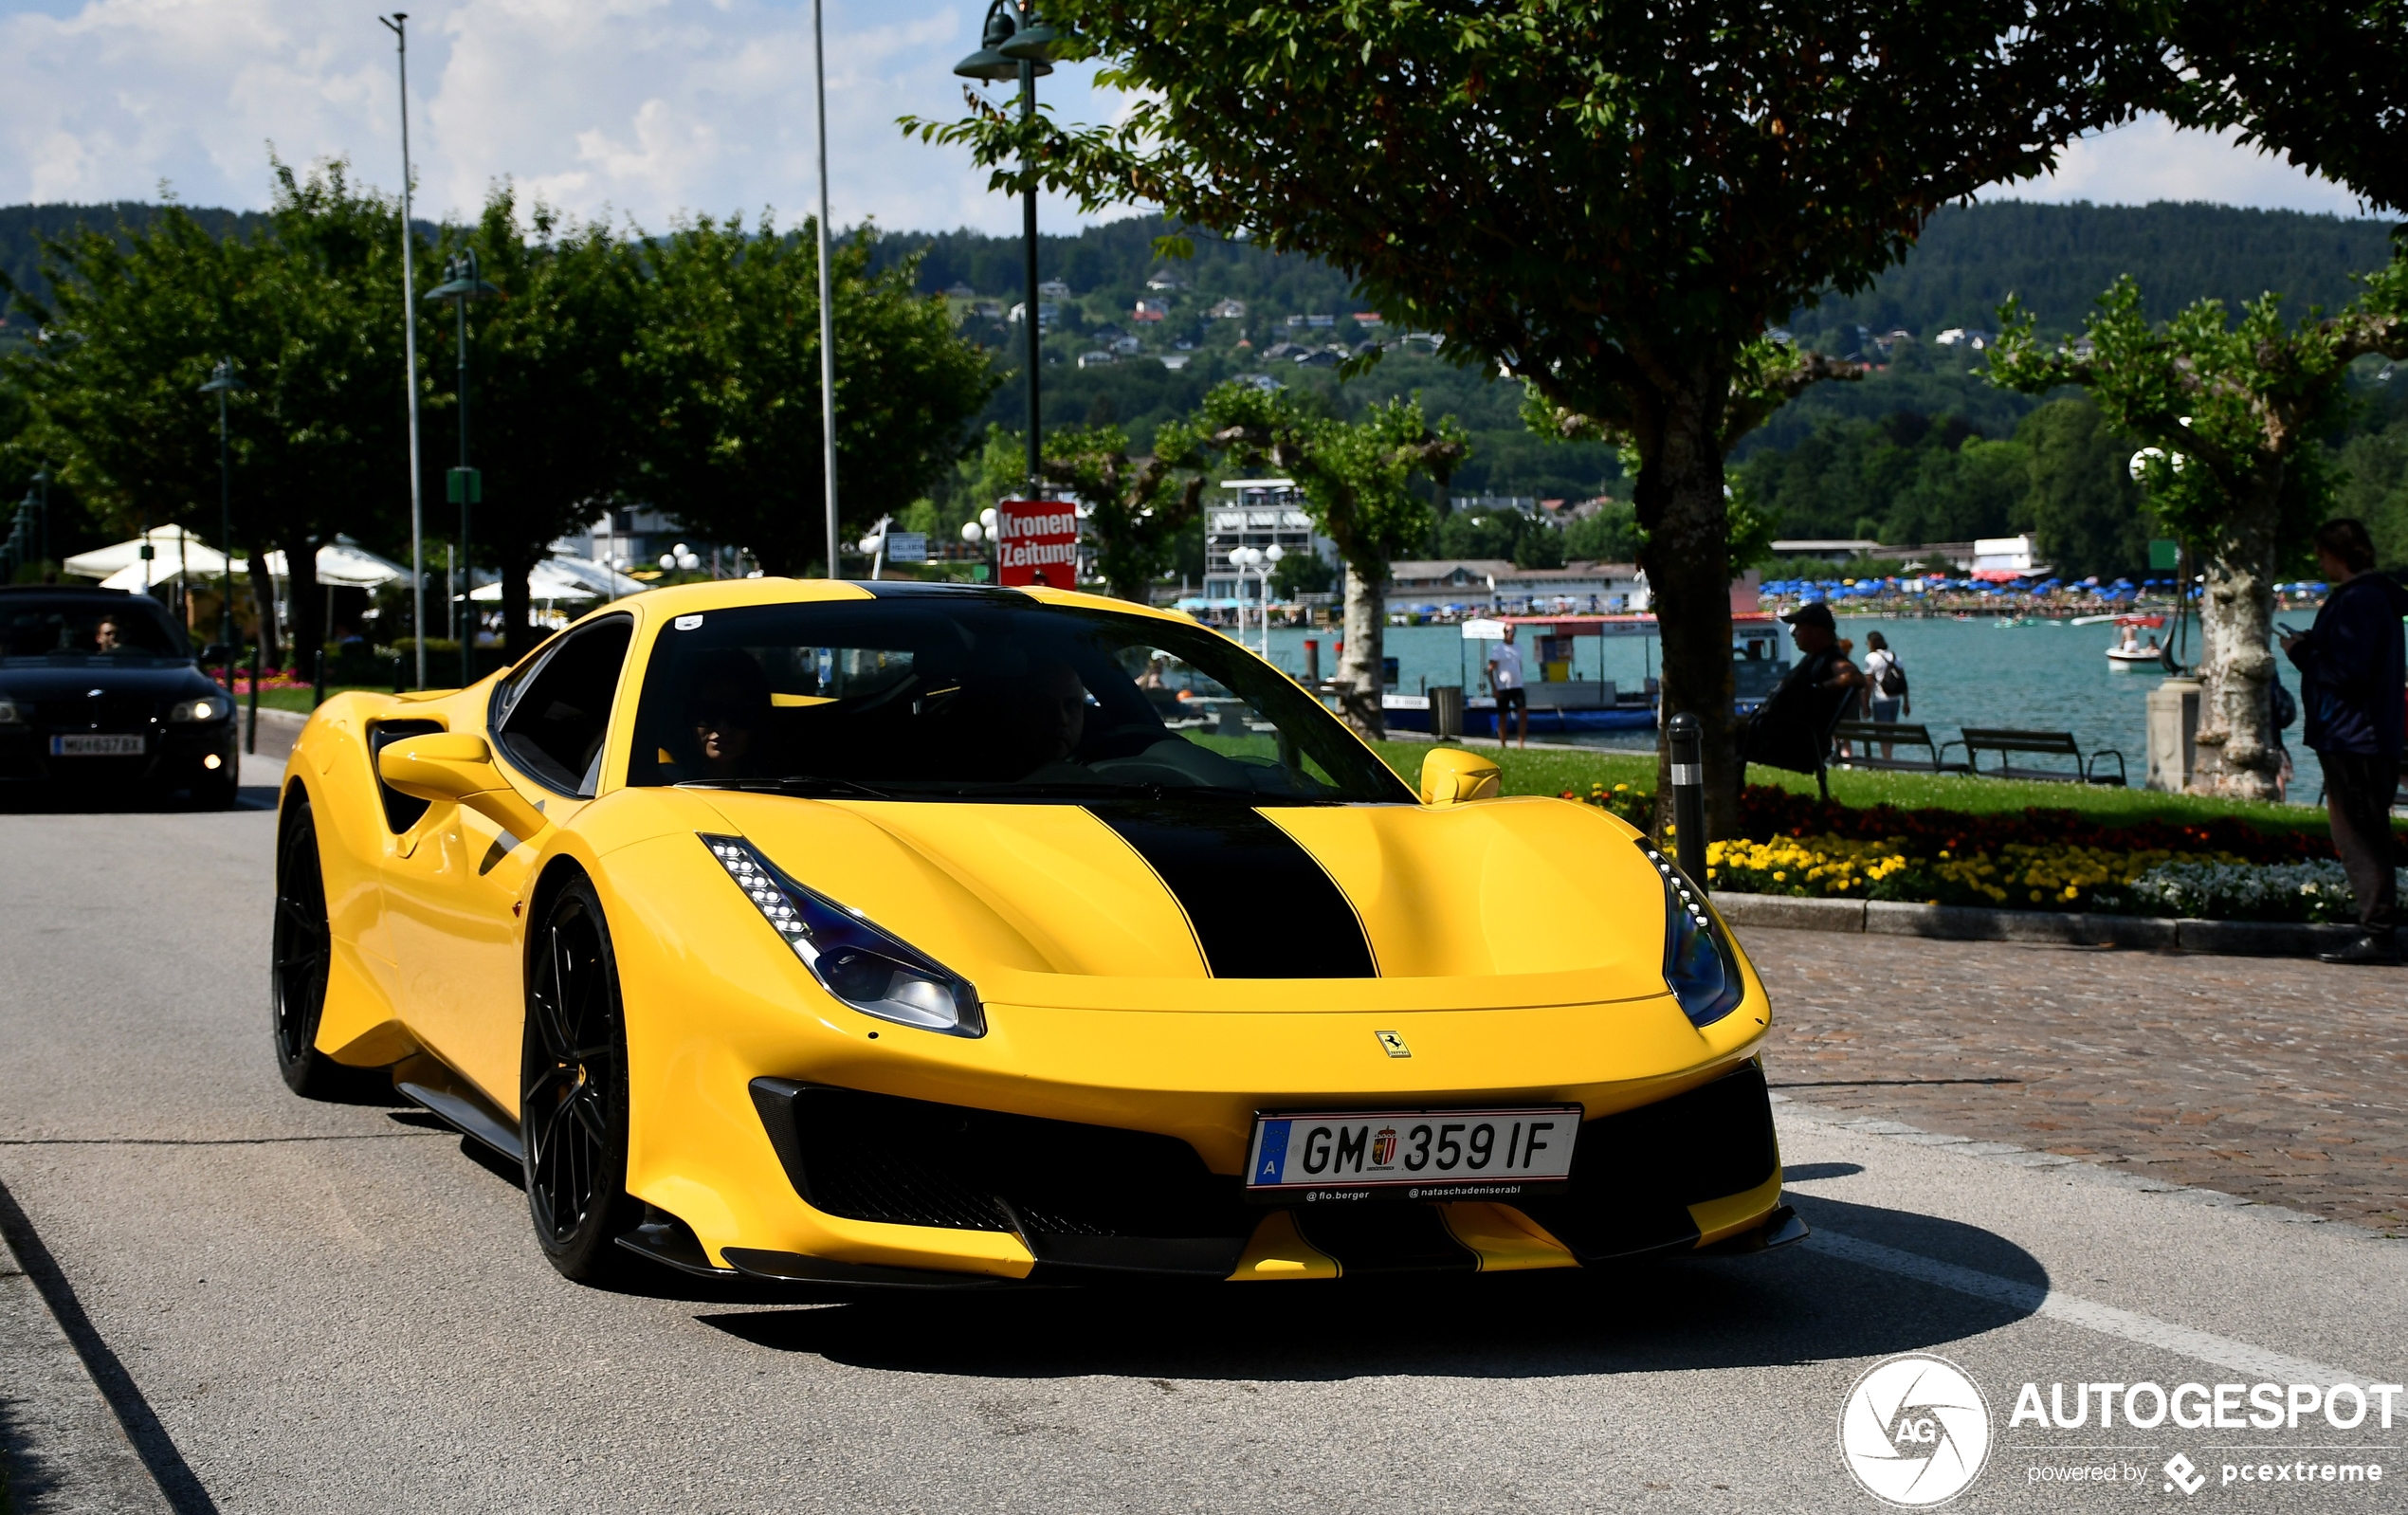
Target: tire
x,y
573,1106
303,946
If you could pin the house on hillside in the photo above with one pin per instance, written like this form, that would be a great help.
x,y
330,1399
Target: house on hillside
x,y
1166,281
1053,289
1176,361
959,290
1097,359
1227,310
1367,317
1151,310
1125,346
1973,336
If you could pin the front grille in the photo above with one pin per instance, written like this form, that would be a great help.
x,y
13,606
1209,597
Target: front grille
x,y
109,713
912,1162
1636,1174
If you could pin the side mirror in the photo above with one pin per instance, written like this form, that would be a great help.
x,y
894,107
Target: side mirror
x,y
1450,775
458,766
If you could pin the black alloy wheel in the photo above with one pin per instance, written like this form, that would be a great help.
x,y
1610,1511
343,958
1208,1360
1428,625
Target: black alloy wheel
x,y
572,1116
299,957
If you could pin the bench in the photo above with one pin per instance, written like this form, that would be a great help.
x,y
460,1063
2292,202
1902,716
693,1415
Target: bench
x,y
1863,734
2007,743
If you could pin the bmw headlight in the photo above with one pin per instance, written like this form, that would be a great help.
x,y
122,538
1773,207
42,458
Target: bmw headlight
x,y
1699,966
191,710
872,970
11,713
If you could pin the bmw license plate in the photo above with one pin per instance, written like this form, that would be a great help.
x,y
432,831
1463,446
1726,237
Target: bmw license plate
x,y
96,745
1410,1154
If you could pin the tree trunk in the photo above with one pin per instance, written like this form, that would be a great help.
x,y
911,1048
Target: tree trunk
x,y
1358,671
517,635
1679,495
309,616
264,601
2236,664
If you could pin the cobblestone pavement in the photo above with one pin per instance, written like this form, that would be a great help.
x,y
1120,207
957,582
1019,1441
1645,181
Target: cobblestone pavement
x,y
2280,1081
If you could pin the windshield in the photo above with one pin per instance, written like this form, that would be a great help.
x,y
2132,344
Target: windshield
x,y
940,696
80,628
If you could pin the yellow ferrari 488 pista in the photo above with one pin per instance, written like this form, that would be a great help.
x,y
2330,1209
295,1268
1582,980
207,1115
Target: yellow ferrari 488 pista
x,y
913,934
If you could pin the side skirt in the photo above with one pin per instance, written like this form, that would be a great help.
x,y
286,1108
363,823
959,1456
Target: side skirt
x,y
435,1089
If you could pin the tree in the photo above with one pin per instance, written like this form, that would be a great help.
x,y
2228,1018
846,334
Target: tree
x,y
1136,509
137,321
1609,199
726,369
2083,507
1357,480
549,407
2234,414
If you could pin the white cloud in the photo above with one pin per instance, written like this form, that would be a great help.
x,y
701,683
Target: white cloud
x,y
646,108
2152,159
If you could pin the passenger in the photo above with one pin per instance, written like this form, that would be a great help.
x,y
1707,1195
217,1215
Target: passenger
x,y
728,709
109,636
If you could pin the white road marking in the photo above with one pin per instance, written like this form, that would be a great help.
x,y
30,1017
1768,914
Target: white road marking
x,y
2108,1320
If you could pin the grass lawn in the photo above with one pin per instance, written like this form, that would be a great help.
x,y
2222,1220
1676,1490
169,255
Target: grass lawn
x,y
306,701
1551,772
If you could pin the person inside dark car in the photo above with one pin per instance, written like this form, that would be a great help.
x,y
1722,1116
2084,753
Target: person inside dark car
x,y
109,636
730,705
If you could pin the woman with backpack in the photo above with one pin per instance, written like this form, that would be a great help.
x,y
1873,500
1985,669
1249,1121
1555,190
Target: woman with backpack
x,y
1885,685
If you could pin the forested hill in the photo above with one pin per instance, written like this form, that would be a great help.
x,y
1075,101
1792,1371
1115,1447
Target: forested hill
x,y
2057,257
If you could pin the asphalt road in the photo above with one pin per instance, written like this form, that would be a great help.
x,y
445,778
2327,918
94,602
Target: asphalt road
x,y
323,1307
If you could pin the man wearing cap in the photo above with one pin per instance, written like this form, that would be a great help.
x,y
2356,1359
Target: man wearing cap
x,y
1791,728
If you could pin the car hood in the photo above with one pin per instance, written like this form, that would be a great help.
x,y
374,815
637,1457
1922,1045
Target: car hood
x,y
64,679
1514,901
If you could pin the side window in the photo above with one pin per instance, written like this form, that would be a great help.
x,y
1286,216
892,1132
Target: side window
x,y
552,719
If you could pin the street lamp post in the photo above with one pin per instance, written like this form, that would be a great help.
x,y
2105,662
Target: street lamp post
x,y
461,284
1016,45
222,383
398,25
827,294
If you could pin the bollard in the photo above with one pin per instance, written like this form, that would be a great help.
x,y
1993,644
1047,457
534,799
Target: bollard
x,y
398,684
251,734
1312,662
317,681
1689,796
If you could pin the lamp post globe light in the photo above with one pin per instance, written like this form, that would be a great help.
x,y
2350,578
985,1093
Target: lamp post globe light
x,y
1016,45
462,285
222,383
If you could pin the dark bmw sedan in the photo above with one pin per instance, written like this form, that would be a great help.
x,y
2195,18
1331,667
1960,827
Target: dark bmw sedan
x,y
99,690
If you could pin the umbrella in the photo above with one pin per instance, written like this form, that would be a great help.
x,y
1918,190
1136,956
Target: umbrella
x,y
174,551
565,579
344,564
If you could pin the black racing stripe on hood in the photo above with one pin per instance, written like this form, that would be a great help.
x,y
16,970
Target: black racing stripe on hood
x,y
1261,906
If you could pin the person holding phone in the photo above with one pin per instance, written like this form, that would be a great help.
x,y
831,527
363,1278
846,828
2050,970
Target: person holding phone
x,y
2353,680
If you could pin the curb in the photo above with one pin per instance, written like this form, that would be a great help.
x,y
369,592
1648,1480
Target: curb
x,y
1789,1108
1951,923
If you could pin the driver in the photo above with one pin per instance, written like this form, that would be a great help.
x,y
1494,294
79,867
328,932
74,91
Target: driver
x,y
1052,716
109,636
726,711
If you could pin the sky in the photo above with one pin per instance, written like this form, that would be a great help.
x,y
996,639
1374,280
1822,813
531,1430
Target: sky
x,y
645,109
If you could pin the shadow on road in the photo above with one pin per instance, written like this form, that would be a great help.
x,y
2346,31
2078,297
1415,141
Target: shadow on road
x,y
1792,1306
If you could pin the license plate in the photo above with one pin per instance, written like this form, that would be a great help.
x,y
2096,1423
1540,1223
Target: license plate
x,y
96,745
1410,1154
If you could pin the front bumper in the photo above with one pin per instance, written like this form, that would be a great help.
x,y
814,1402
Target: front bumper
x,y
173,756
1697,1169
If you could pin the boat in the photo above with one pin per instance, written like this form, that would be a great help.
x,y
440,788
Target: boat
x,y
2128,653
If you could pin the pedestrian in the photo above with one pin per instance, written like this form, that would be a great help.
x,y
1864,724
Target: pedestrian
x,y
1886,683
1504,673
1791,728
2353,678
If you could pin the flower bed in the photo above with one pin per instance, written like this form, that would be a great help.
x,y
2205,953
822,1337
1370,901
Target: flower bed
x,y
2036,860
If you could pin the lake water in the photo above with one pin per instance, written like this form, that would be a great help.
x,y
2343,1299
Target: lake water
x,y
2046,677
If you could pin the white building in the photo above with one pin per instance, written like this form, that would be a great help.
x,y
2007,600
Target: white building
x,y
1259,513
1495,584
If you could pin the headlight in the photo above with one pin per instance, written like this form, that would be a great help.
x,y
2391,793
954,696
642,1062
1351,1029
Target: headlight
x,y
191,710
868,969
13,714
1699,966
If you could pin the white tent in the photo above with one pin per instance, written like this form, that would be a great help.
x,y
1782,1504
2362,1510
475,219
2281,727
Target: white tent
x,y
555,579
174,551
342,563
